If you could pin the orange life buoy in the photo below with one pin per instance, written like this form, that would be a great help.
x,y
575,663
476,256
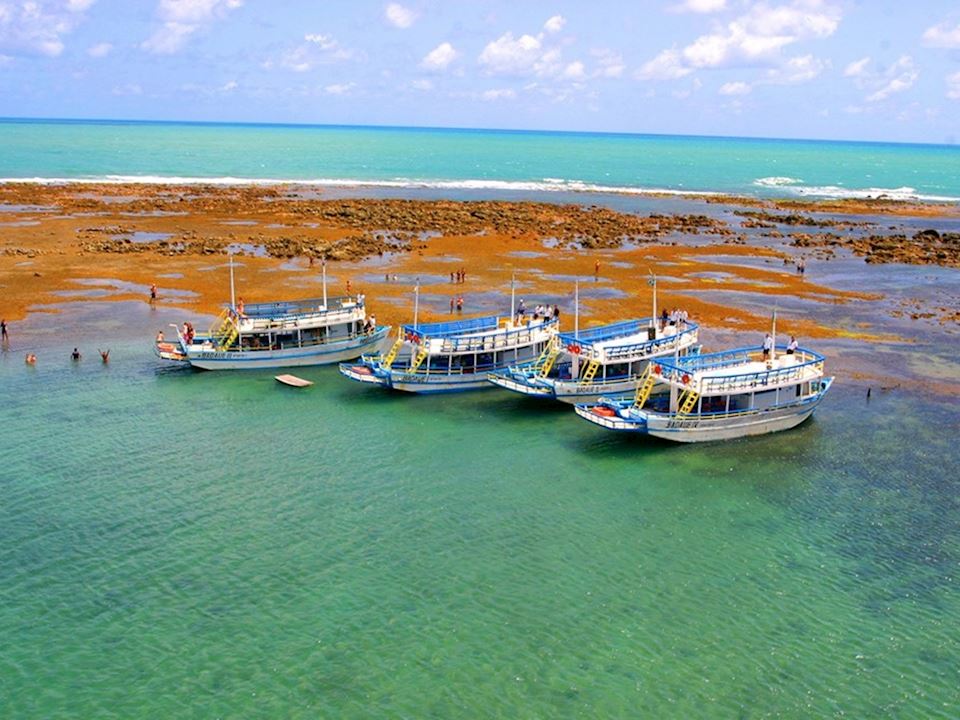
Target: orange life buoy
x,y
686,379
573,349
657,369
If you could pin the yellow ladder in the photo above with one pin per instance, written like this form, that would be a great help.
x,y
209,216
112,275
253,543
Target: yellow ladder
x,y
645,384
392,355
687,401
421,356
590,372
547,365
221,324
226,339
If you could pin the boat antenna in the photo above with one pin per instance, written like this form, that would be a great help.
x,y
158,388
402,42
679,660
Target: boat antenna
x,y
323,269
773,351
513,295
233,294
653,281
576,309
416,303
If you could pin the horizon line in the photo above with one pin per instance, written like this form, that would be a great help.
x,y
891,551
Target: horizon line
x,y
614,133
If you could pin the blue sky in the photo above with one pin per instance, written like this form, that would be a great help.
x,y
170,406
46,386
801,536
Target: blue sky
x,y
877,70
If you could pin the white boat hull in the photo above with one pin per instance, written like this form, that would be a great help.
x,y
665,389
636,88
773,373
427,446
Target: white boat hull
x,y
325,354
570,392
415,382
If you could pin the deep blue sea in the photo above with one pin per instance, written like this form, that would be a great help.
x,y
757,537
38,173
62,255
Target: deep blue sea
x,y
457,160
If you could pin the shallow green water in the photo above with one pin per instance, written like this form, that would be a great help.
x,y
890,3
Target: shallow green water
x,y
178,544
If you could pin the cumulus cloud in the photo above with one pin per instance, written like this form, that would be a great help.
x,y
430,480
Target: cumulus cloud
x,y
555,24
324,42
575,71
796,70
39,26
857,68
422,84
316,49
339,88
735,88
499,94
953,86
181,19
399,16
701,6
440,57
899,77
99,50
754,38
942,36
609,63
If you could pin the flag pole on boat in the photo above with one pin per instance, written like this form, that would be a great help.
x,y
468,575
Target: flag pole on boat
x,y
773,350
576,309
233,295
416,303
323,268
513,296
652,280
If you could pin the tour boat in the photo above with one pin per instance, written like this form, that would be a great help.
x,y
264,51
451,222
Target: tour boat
x,y
598,362
295,333
454,356
719,396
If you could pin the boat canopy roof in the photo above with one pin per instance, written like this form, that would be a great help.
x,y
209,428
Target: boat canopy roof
x,y
300,307
624,328
454,328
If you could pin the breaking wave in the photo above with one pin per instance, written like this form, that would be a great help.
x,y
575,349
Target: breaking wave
x,y
794,186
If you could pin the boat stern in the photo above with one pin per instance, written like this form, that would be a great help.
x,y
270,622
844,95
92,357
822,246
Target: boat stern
x,y
522,383
367,370
613,416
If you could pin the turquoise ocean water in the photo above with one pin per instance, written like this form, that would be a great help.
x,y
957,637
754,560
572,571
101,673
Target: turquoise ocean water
x,y
474,159
186,544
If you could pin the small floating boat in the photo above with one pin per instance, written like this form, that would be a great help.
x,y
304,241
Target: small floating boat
x,y
293,381
719,396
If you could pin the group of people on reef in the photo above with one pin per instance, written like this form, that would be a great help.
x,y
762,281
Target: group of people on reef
x,y
459,276
456,302
674,318
540,311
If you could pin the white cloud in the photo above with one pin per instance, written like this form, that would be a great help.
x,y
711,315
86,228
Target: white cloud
x,y
735,88
701,6
440,57
324,42
575,71
610,63
665,66
555,24
953,86
229,86
504,94
339,88
128,89
796,70
857,68
399,16
942,36
508,55
39,26
754,38
899,77
180,19
99,50
422,84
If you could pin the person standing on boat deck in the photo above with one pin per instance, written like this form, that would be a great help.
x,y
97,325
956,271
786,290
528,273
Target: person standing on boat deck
x,y
767,346
556,312
373,323
792,347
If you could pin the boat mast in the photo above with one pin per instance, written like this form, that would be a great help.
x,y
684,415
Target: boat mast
x,y
233,295
653,281
513,296
773,350
323,267
576,309
416,303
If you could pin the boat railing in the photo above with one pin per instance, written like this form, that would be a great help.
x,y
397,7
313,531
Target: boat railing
x,y
602,333
626,352
451,328
809,365
496,340
292,321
